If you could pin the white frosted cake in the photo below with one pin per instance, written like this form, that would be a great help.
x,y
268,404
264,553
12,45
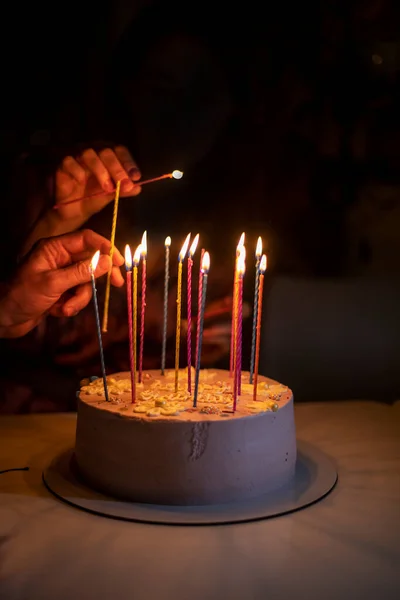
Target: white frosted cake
x,y
162,450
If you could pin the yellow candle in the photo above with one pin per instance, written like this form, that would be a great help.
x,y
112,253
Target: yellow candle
x,y
108,284
181,258
234,305
136,260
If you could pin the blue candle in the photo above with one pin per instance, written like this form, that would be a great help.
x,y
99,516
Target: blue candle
x,y
205,265
92,269
255,308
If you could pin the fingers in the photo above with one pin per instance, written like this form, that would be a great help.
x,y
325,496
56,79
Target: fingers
x,y
116,277
81,298
96,167
127,161
61,280
116,169
71,167
110,166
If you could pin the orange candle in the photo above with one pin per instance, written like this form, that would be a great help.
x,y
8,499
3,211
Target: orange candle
x,y
263,266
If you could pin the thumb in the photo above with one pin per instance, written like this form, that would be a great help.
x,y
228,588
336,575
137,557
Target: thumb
x,y
78,273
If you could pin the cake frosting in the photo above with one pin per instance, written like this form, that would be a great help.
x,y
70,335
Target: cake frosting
x,y
163,450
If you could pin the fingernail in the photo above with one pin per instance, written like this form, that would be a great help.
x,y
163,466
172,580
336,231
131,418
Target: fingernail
x,y
127,185
134,173
71,312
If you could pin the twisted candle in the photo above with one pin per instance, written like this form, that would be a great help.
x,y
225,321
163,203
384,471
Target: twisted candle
x,y
143,303
165,319
255,307
181,257
234,307
136,260
199,296
92,268
237,386
128,264
263,266
189,311
108,283
205,265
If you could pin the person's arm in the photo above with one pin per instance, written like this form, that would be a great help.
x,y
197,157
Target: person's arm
x,y
91,175
55,279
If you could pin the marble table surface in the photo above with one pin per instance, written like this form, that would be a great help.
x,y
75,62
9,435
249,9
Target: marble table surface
x,y
346,546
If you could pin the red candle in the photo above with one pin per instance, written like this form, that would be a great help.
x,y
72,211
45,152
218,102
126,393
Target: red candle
x,y
143,304
199,295
192,250
237,385
129,298
234,308
263,266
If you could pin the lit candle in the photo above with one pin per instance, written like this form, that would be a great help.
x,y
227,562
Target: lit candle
x,y
136,260
263,266
129,298
205,266
92,268
165,319
181,258
192,250
239,318
108,283
255,307
199,292
234,296
143,304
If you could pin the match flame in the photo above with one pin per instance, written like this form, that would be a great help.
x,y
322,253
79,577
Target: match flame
x,y
144,244
94,261
184,248
136,256
193,247
167,241
259,248
177,174
128,257
241,262
263,264
205,263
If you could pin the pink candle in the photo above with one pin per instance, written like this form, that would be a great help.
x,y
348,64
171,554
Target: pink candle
x,y
143,304
192,250
234,308
129,295
199,296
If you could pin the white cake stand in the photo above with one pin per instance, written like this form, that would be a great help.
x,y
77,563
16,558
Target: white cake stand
x,y
315,477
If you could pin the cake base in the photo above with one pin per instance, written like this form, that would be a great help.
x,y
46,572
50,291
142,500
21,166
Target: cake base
x,y
315,477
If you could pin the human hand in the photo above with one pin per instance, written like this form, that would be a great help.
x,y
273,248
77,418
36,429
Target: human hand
x,y
93,175
55,279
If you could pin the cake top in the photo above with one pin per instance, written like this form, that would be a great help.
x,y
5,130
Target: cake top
x,y
156,398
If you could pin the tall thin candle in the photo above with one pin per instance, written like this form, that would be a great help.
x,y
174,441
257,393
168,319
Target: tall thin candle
x,y
192,250
136,260
199,296
263,266
143,302
165,318
108,283
92,268
181,258
238,357
205,266
255,307
129,298
234,307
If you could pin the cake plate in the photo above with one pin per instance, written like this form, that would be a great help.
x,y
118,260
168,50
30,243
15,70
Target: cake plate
x,y
315,477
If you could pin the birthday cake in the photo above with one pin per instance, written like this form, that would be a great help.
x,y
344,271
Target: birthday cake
x,y
163,450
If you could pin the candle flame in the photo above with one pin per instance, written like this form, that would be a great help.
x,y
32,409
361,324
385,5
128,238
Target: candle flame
x,y
241,261
94,261
205,263
128,257
184,248
167,241
193,247
144,244
177,174
241,241
136,256
263,264
259,248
